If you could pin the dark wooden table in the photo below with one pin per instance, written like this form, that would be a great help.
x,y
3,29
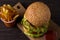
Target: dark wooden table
x,y
11,33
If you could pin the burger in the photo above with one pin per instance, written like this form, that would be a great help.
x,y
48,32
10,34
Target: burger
x,y
36,19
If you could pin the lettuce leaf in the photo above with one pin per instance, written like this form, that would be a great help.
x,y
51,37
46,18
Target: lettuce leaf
x,y
39,31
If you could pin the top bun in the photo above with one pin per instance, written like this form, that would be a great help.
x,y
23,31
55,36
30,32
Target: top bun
x,y
37,14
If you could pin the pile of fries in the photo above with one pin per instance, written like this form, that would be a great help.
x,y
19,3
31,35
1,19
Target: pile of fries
x,y
8,13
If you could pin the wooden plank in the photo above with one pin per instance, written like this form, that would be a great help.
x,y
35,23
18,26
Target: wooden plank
x,y
19,8
53,26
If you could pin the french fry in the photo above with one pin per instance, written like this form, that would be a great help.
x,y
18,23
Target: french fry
x,y
8,13
15,17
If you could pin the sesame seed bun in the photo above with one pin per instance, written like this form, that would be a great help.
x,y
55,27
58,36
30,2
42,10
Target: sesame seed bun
x,y
38,14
